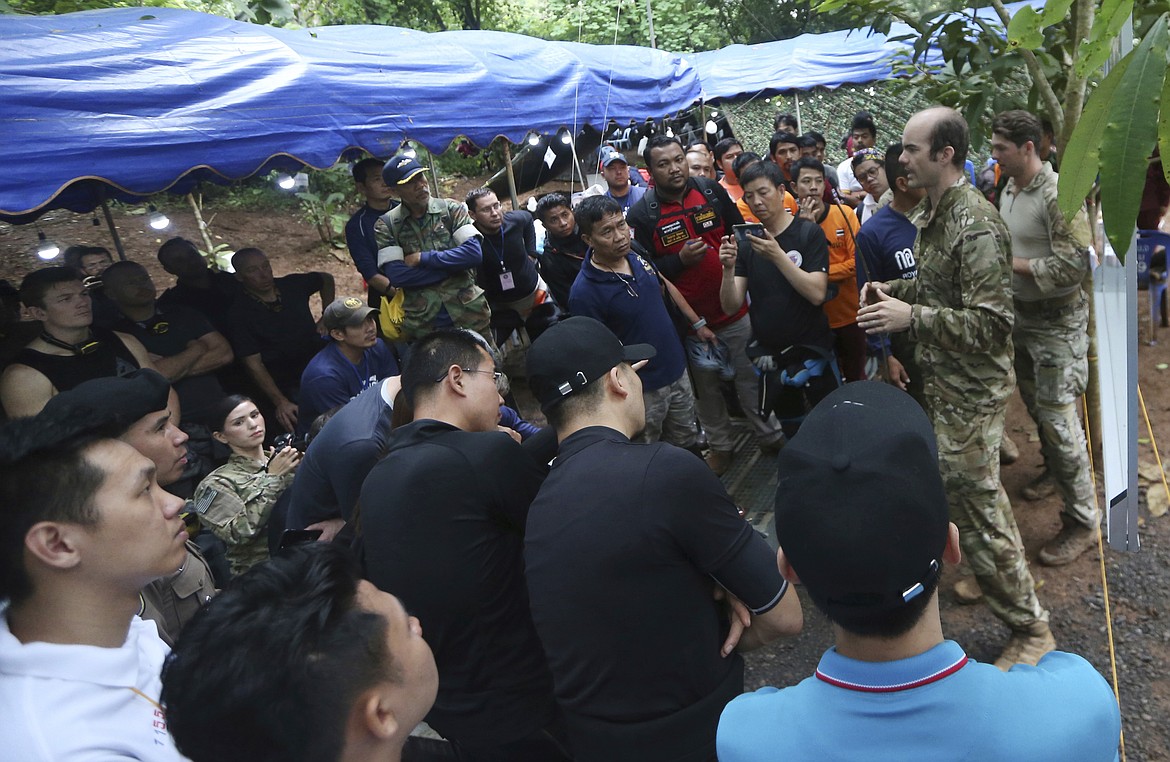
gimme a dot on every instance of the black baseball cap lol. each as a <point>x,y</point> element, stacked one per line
<point>120,401</point>
<point>574,353</point>
<point>401,169</point>
<point>861,512</point>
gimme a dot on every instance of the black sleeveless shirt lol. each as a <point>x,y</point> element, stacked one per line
<point>111,358</point>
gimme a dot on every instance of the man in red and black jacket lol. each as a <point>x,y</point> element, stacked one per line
<point>682,221</point>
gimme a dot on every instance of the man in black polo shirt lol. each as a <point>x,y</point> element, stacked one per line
<point>185,348</point>
<point>564,251</point>
<point>274,332</point>
<point>507,273</point>
<point>623,575</point>
<point>210,292</point>
<point>442,527</point>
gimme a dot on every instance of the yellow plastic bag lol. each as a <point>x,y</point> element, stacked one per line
<point>391,314</point>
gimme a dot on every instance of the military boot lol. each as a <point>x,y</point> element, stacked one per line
<point>1026,646</point>
<point>1039,488</point>
<point>1073,540</point>
<point>1008,452</point>
<point>718,460</point>
<point>967,591</point>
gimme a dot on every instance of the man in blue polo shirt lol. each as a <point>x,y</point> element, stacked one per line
<point>885,252</point>
<point>348,365</point>
<point>618,286</point>
<point>862,520</point>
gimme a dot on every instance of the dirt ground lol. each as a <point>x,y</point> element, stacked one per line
<point>1138,594</point>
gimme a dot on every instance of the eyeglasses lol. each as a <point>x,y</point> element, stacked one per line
<point>869,174</point>
<point>498,377</point>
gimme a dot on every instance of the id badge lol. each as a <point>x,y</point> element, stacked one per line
<point>506,281</point>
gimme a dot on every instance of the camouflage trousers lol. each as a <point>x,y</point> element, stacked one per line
<point>968,458</point>
<point>464,302</point>
<point>670,414</point>
<point>1052,370</point>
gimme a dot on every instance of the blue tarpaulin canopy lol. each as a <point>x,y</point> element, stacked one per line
<point>128,102</point>
<point>831,59</point>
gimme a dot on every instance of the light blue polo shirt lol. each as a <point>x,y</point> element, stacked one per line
<point>939,705</point>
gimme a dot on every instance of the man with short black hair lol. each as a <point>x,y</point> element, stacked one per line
<point>959,312</point>
<point>784,150</point>
<point>430,248</point>
<point>786,274</point>
<point>621,577</point>
<point>705,167</point>
<point>682,222</point>
<point>725,154</point>
<point>619,287</point>
<point>886,244</point>
<point>862,521</point>
<point>564,251</point>
<point>442,525</point>
<point>863,131</point>
<point>507,273</point>
<point>69,351</point>
<point>786,123</point>
<point>133,409</point>
<point>300,660</point>
<point>274,332</point>
<point>359,230</point>
<point>85,526</point>
<point>353,360</point>
<point>839,224</point>
<point>616,171</point>
<point>184,346</point>
<point>209,292</point>
<point>1050,260</point>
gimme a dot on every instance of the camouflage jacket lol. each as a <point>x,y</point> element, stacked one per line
<point>962,313</point>
<point>1057,251</point>
<point>244,494</point>
<point>445,278</point>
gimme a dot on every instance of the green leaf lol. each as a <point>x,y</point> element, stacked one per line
<point>1024,29</point>
<point>1108,22</point>
<point>1130,135</point>
<point>1164,128</point>
<point>1077,176</point>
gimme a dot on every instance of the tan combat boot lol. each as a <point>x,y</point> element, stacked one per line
<point>1008,452</point>
<point>1073,540</point>
<point>718,460</point>
<point>1039,488</point>
<point>967,591</point>
<point>1027,646</point>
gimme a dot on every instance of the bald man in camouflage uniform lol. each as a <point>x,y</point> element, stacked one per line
<point>1050,259</point>
<point>959,314</point>
<point>430,248</point>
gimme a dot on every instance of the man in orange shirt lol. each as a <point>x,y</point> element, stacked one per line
<point>840,225</point>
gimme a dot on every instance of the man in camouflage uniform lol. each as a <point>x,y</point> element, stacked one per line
<point>430,248</point>
<point>959,315</point>
<point>1050,260</point>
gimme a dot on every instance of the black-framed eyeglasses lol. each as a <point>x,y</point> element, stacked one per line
<point>498,377</point>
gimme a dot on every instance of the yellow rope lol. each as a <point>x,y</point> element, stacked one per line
<point>1153,442</point>
<point>1104,579</point>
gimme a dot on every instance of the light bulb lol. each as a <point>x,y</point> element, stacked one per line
<point>285,182</point>
<point>158,220</point>
<point>534,139</point>
<point>46,249</point>
<point>410,153</point>
<point>566,138</point>
<point>711,127</point>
